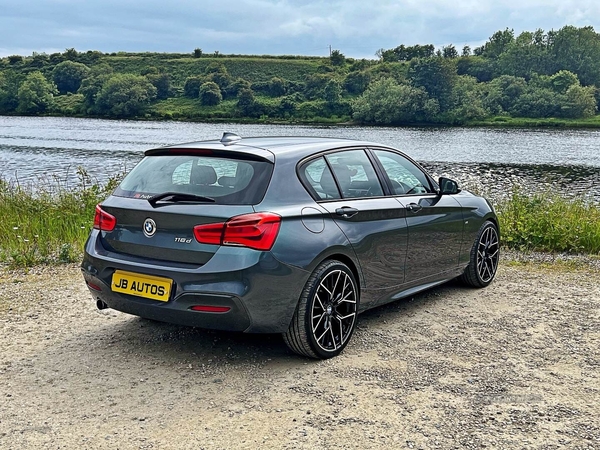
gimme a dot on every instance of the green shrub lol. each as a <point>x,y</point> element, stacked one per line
<point>49,223</point>
<point>210,94</point>
<point>549,223</point>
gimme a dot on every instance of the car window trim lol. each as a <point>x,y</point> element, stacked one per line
<point>366,151</point>
<point>322,154</point>
<point>432,184</point>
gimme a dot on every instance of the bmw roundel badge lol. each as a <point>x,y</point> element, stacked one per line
<point>149,227</point>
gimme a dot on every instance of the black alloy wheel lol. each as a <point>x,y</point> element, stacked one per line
<point>485,255</point>
<point>326,313</point>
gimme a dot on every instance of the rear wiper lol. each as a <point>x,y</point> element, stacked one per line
<point>178,197</point>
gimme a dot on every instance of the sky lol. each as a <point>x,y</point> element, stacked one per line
<point>357,28</point>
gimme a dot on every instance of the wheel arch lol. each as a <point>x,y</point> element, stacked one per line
<point>494,219</point>
<point>348,262</point>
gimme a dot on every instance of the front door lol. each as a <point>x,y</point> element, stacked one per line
<point>435,223</point>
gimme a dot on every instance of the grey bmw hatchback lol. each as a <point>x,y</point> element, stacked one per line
<point>291,235</point>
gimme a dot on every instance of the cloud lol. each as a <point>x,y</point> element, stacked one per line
<point>357,28</point>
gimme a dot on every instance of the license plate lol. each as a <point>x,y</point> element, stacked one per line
<point>146,286</point>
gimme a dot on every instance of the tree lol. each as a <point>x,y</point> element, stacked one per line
<point>386,102</point>
<point>357,82</point>
<point>503,93</point>
<point>483,69</point>
<point>403,53</point>
<point>210,94</point>
<point>162,83</point>
<point>125,95</point>
<point>315,85</point>
<point>217,73</point>
<point>337,58</point>
<point>9,88</point>
<point>466,101</point>
<point>38,60</point>
<point>36,94</point>
<point>526,56</point>
<point>191,88</point>
<point>287,106</point>
<point>221,79</point>
<point>562,80</point>
<point>276,87</point>
<point>498,43</point>
<point>449,51</point>
<point>579,102</point>
<point>333,92</point>
<point>70,54</point>
<point>436,76</point>
<point>537,102</point>
<point>246,104</point>
<point>14,59</point>
<point>68,76</point>
<point>197,53</point>
<point>578,50</point>
<point>235,87</point>
<point>92,85</point>
<point>466,51</point>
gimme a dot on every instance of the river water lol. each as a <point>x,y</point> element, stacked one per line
<point>35,150</point>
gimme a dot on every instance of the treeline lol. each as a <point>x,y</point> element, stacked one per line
<point>534,75</point>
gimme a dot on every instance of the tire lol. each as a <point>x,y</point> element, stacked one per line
<point>484,257</point>
<point>326,314</point>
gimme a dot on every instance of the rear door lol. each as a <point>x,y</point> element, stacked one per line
<point>375,225</point>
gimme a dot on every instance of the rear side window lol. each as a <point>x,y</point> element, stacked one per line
<point>228,181</point>
<point>355,174</point>
<point>318,179</point>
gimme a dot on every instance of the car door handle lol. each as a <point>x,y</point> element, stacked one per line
<point>414,208</point>
<point>346,212</point>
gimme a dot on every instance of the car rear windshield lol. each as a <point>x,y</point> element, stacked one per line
<point>227,181</point>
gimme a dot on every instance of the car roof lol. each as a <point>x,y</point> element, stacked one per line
<point>270,147</point>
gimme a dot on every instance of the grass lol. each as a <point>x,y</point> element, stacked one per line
<point>524,122</point>
<point>550,223</point>
<point>252,69</point>
<point>47,225</point>
<point>191,109</point>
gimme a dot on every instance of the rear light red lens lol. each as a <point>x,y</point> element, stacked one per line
<point>209,308</point>
<point>257,231</point>
<point>104,221</point>
<point>211,233</point>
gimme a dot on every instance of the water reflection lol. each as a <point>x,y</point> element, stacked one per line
<point>497,180</point>
<point>490,161</point>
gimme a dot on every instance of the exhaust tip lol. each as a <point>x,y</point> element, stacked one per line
<point>101,305</point>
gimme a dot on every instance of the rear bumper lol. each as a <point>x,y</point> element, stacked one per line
<point>261,292</point>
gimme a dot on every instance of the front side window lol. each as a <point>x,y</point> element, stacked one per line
<point>228,181</point>
<point>405,177</point>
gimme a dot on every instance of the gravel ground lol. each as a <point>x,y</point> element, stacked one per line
<point>515,365</point>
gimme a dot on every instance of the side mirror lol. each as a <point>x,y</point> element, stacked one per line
<point>448,186</point>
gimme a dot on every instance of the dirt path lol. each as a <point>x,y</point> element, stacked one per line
<point>516,365</point>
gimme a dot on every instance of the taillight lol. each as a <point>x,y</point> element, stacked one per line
<point>209,234</point>
<point>104,221</point>
<point>257,231</point>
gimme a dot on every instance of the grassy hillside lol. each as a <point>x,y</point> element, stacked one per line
<point>254,70</point>
<point>493,85</point>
